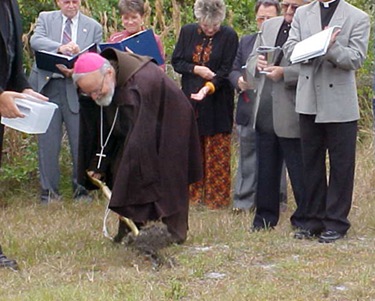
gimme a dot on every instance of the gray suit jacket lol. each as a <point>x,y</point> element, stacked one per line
<point>47,36</point>
<point>326,85</point>
<point>284,117</point>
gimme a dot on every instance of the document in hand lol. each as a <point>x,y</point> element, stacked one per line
<point>314,46</point>
<point>48,60</point>
<point>142,43</point>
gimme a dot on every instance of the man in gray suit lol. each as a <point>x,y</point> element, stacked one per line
<point>246,179</point>
<point>328,108</point>
<point>50,34</point>
<point>276,122</point>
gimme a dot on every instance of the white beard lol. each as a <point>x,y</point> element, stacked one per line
<point>106,100</point>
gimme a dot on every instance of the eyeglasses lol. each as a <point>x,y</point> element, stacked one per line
<point>286,5</point>
<point>262,18</point>
<point>98,93</point>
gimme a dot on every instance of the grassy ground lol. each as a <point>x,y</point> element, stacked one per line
<point>63,256</point>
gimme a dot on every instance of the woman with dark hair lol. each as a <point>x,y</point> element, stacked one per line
<point>204,55</point>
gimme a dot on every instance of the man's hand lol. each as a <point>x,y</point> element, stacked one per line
<point>275,73</point>
<point>34,94</point>
<point>204,72</point>
<point>69,49</point>
<point>243,85</point>
<point>261,62</point>
<point>8,107</point>
<point>94,174</point>
<point>334,37</point>
<point>65,70</point>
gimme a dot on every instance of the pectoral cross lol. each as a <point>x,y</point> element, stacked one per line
<point>101,156</point>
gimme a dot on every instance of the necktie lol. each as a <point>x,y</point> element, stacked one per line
<point>67,35</point>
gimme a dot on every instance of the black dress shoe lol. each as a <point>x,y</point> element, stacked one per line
<point>82,195</point>
<point>305,234</point>
<point>49,196</point>
<point>8,263</point>
<point>330,236</point>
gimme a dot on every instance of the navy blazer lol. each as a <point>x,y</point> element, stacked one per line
<point>245,103</point>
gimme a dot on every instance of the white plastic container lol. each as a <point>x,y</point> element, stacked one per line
<point>38,115</point>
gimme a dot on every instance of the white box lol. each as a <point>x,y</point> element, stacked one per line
<point>38,115</point>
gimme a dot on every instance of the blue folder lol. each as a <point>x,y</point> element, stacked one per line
<point>142,43</point>
<point>48,60</point>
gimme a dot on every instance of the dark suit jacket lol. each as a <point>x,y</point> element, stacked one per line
<point>17,81</point>
<point>245,103</point>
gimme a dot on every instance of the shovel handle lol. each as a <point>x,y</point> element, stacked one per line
<point>108,193</point>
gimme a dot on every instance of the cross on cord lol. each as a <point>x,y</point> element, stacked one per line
<point>101,156</point>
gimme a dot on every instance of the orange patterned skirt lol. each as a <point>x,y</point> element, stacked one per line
<point>214,189</point>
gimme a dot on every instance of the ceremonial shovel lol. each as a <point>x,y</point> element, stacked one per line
<point>149,239</point>
<point>108,193</point>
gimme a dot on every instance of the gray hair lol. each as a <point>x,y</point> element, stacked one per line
<point>102,69</point>
<point>210,11</point>
<point>267,3</point>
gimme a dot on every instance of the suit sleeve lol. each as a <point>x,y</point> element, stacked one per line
<point>294,36</point>
<point>291,74</point>
<point>352,55</point>
<point>39,40</point>
<point>98,34</point>
<point>237,71</point>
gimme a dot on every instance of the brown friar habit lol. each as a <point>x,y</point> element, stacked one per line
<point>153,152</point>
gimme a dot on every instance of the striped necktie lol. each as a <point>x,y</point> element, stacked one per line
<point>67,35</point>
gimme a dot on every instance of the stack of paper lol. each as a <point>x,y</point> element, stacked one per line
<point>314,46</point>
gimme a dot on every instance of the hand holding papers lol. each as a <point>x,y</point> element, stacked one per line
<point>314,46</point>
<point>48,60</point>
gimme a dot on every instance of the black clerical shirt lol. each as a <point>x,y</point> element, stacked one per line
<point>281,38</point>
<point>326,13</point>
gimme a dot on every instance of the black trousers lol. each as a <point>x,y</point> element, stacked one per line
<point>272,151</point>
<point>328,202</point>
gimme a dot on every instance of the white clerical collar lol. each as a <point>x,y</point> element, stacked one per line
<point>327,4</point>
